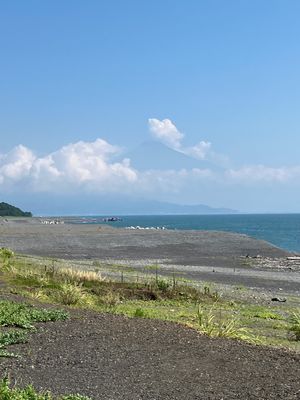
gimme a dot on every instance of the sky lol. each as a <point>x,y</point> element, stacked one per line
<point>82,83</point>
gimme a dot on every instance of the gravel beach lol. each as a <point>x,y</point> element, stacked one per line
<point>220,257</point>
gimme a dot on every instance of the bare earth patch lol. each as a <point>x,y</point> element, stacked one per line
<point>112,357</point>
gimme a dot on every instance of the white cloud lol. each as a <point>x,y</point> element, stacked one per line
<point>16,164</point>
<point>262,173</point>
<point>167,132</point>
<point>85,167</point>
<point>75,165</point>
<point>172,181</point>
<point>200,150</point>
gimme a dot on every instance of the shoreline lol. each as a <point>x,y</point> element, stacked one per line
<point>281,232</point>
<point>223,258</point>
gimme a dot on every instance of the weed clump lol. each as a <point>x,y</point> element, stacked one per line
<point>69,294</point>
<point>295,325</point>
<point>139,313</point>
<point>219,326</point>
<point>23,316</point>
<point>29,393</point>
<point>162,285</point>
<point>11,337</point>
<point>6,256</point>
<point>109,300</point>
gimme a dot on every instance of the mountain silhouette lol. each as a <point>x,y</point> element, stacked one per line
<point>155,155</point>
<point>92,204</point>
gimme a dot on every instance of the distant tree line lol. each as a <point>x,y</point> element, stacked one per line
<point>7,210</point>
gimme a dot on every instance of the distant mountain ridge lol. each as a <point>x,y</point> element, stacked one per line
<point>7,210</point>
<point>169,208</point>
<point>153,155</point>
<point>113,205</point>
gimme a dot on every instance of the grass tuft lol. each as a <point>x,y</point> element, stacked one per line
<point>6,257</point>
<point>295,325</point>
<point>69,294</point>
<point>210,325</point>
<point>139,312</point>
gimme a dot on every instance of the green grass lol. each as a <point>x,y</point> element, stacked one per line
<point>22,316</point>
<point>11,337</point>
<point>5,256</point>
<point>139,312</point>
<point>295,326</point>
<point>217,324</point>
<point>29,393</point>
<point>158,297</point>
<point>262,312</point>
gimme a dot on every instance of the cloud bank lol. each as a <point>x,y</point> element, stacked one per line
<point>90,167</point>
<point>81,164</point>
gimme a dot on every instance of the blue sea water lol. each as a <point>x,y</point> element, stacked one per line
<point>282,230</point>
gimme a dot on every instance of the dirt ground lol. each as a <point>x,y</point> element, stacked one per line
<point>116,358</point>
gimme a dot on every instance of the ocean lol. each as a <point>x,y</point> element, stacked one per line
<point>282,230</point>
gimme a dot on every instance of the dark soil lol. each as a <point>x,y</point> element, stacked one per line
<point>112,357</point>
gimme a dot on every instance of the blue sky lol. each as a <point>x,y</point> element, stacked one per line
<point>222,72</point>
